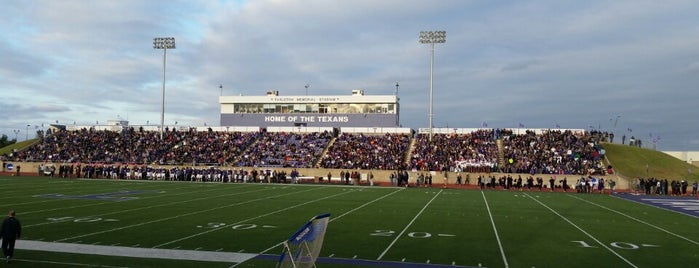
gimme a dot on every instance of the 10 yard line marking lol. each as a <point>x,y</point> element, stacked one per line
<point>408,226</point>
<point>502,251</point>
<point>638,220</point>
<point>581,230</point>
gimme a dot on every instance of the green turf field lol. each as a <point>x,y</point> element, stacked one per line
<point>369,226</point>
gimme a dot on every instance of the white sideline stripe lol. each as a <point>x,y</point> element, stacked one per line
<point>191,255</point>
<point>68,263</point>
<point>343,214</point>
<point>408,226</point>
<point>178,216</point>
<point>581,230</point>
<point>502,251</point>
<point>249,219</point>
<point>639,220</point>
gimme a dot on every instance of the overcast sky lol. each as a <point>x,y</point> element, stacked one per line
<point>576,64</point>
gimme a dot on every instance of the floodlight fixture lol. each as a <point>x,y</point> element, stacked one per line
<point>163,43</point>
<point>432,37</point>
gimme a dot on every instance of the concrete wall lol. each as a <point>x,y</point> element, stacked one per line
<point>380,176</point>
<point>690,157</point>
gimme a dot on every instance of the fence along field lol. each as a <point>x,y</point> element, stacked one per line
<point>369,226</point>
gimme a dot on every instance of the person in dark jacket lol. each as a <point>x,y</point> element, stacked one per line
<point>11,231</point>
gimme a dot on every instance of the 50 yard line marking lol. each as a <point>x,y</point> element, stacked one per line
<point>581,230</point>
<point>408,226</point>
<point>502,251</point>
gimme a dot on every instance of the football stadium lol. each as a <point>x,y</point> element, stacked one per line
<point>344,193</point>
<point>127,156</point>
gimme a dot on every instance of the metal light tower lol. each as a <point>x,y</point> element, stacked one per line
<point>432,37</point>
<point>397,106</point>
<point>27,133</point>
<point>163,43</point>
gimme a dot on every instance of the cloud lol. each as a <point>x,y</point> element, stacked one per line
<point>574,63</point>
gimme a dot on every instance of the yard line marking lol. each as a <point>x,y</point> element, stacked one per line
<point>253,218</point>
<point>495,229</point>
<point>366,204</point>
<point>638,220</point>
<point>142,198</point>
<point>48,200</point>
<point>102,203</point>
<point>408,226</point>
<point>583,231</point>
<point>148,207</point>
<point>179,216</point>
<point>343,214</point>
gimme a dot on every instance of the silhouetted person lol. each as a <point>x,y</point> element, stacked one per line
<point>11,231</point>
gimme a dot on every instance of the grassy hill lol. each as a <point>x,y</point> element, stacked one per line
<point>631,162</point>
<point>19,145</point>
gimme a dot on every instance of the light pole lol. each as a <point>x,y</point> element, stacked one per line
<point>27,133</point>
<point>397,112</point>
<point>307,86</point>
<point>432,37</point>
<point>16,131</point>
<point>163,43</point>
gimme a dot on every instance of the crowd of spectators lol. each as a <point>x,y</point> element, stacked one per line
<point>285,150</point>
<point>473,152</point>
<point>658,186</point>
<point>552,152</point>
<point>210,147</point>
<point>361,151</point>
<point>89,145</point>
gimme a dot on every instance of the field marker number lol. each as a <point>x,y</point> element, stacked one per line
<point>620,245</point>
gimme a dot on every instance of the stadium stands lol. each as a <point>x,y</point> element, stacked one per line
<point>482,150</point>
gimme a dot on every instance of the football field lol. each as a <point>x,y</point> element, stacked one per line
<point>110,223</point>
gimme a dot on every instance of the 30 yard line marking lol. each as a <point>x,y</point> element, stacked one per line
<point>495,229</point>
<point>638,220</point>
<point>408,226</point>
<point>581,230</point>
<point>253,218</point>
<point>179,216</point>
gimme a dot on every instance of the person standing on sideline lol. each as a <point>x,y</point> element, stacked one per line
<point>11,231</point>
